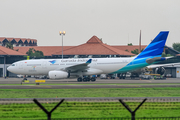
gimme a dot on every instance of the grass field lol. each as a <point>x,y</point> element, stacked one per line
<point>88,110</point>
<point>95,92</point>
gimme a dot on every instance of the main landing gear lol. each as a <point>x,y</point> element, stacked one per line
<point>122,75</point>
<point>85,79</point>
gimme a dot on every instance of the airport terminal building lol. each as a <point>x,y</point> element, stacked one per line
<point>93,48</point>
<point>18,41</point>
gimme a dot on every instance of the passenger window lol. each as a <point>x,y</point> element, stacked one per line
<point>13,64</point>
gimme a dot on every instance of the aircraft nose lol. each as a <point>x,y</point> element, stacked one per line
<point>9,68</point>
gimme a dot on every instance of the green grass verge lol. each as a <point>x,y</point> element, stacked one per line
<point>93,92</point>
<point>88,110</point>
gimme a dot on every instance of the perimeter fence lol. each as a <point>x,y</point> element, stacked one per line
<point>153,108</point>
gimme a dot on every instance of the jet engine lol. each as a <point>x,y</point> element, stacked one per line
<point>57,74</point>
<point>160,70</point>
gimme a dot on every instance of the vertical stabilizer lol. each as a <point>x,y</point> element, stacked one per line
<point>155,48</point>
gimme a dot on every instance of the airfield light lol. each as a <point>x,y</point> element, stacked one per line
<point>64,32</point>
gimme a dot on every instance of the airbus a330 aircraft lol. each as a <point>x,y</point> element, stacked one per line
<point>65,68</point>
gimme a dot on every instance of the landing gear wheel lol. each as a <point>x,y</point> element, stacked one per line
<point>93,79</point>
<point>79,79</point>
<point>88,79</point>
<point>84,79</point>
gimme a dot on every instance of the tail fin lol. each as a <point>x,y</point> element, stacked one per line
<point>155,48</point>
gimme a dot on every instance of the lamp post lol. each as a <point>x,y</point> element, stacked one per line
<point>62,33</point>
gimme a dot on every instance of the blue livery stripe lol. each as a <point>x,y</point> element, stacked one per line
<point>156,46</point>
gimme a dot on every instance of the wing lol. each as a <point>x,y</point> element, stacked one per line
<point>163,65</point>
<point>156,59</point>
<point>78,67</point>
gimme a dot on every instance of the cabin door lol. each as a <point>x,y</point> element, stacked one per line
<point>21,65</point>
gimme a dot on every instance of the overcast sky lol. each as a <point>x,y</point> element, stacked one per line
<point>117,22</point>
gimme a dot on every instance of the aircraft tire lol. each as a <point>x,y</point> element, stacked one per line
<point>84,79</point>
<point>93,79</point>
<point>79,79</point>
<point>88,79</point>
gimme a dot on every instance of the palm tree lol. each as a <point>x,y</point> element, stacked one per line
<point>9,45</point>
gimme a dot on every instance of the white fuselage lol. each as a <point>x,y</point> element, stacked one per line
<point>43,66</point>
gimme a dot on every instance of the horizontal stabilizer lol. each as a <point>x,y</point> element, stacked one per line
<point>152,60</point>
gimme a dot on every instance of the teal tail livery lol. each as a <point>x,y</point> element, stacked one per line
<point>84,68</point>
<point>151,54</point>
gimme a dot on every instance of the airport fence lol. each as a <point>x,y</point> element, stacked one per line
<point>90,108</point>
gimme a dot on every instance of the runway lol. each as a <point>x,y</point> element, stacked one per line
<point>15,83</point>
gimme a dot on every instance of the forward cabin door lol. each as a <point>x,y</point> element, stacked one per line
<point>21,65</point>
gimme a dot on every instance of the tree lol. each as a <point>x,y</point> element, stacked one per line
<point>9,45</point>
<point>34,53</point>
<point>130,44</point>
<point>165,55</point>
<point>176,46</point>
<point>136,51</point>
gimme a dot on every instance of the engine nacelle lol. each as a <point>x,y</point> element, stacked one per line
<point>160,70</point>
<point>57,74</point>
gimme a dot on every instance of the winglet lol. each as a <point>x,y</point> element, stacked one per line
<point>89,61</point>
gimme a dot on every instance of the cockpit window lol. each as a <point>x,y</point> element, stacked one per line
<point>13,64</point>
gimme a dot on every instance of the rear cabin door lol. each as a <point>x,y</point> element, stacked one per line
<point>178,72</point>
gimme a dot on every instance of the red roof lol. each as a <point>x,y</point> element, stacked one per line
<point>47,50</point>
<point>7,51</point>
<point>94,46</point>
<point>94,40</point>
<point>129,48</point>
<point>2,38</point>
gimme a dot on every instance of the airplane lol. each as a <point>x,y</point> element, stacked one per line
<point>83,67</point>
